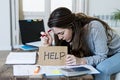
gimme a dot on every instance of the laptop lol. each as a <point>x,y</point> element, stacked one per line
<point>30,31</point>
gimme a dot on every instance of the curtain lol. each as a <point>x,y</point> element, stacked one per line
<point>21,15</point>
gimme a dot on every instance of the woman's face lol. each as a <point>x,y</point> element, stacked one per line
<point>63,34</point>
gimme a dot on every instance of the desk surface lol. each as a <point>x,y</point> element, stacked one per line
<point>6,73</point>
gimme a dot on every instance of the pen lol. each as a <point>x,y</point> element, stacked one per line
<point>49,30</point>
<point>42,33</point>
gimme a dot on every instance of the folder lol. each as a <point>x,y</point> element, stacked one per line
<point>28,47</point>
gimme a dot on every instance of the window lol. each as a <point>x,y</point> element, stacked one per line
<point>61,3</point>
<point>39,5</point>
<point>39,9</point>
<point>33,5</point>
<point>36,9</point>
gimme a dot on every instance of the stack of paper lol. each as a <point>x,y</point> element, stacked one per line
<point>21,58</point>
<point>28,70</point>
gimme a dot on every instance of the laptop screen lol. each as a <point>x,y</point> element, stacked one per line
<point>30,30</point>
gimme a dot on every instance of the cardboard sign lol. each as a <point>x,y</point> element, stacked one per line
<point>52,55</point>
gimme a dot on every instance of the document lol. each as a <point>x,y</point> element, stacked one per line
<point>28,70</point>
<point>75,71</point>
<point>36,43</point>
<point>21,58</point>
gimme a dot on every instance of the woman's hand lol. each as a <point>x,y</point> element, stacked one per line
<point>72,60</point>
<point>46,39</point>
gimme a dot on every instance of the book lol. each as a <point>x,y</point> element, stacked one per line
<point>28,47</point>
<point>75,71</point>
<point>21,58</point>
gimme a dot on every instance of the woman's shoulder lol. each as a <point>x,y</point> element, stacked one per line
<point>96,25</point>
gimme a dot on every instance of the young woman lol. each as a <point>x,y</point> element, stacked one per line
<point>90,41</point>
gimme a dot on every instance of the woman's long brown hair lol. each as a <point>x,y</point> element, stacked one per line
<point>64,18</point>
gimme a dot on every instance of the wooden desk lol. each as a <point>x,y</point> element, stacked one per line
<point>6,73</point>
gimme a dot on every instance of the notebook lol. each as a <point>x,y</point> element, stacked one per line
<point>21,58</point>
<point>75,71</point>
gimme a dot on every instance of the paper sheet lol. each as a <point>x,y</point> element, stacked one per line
<point>27,70</point>
<point>21,58</point>
<point>36,43</point>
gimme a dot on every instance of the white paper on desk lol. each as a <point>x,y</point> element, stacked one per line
<point>21,58</point>
<point>36,43</point>
<point>27,70</point>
